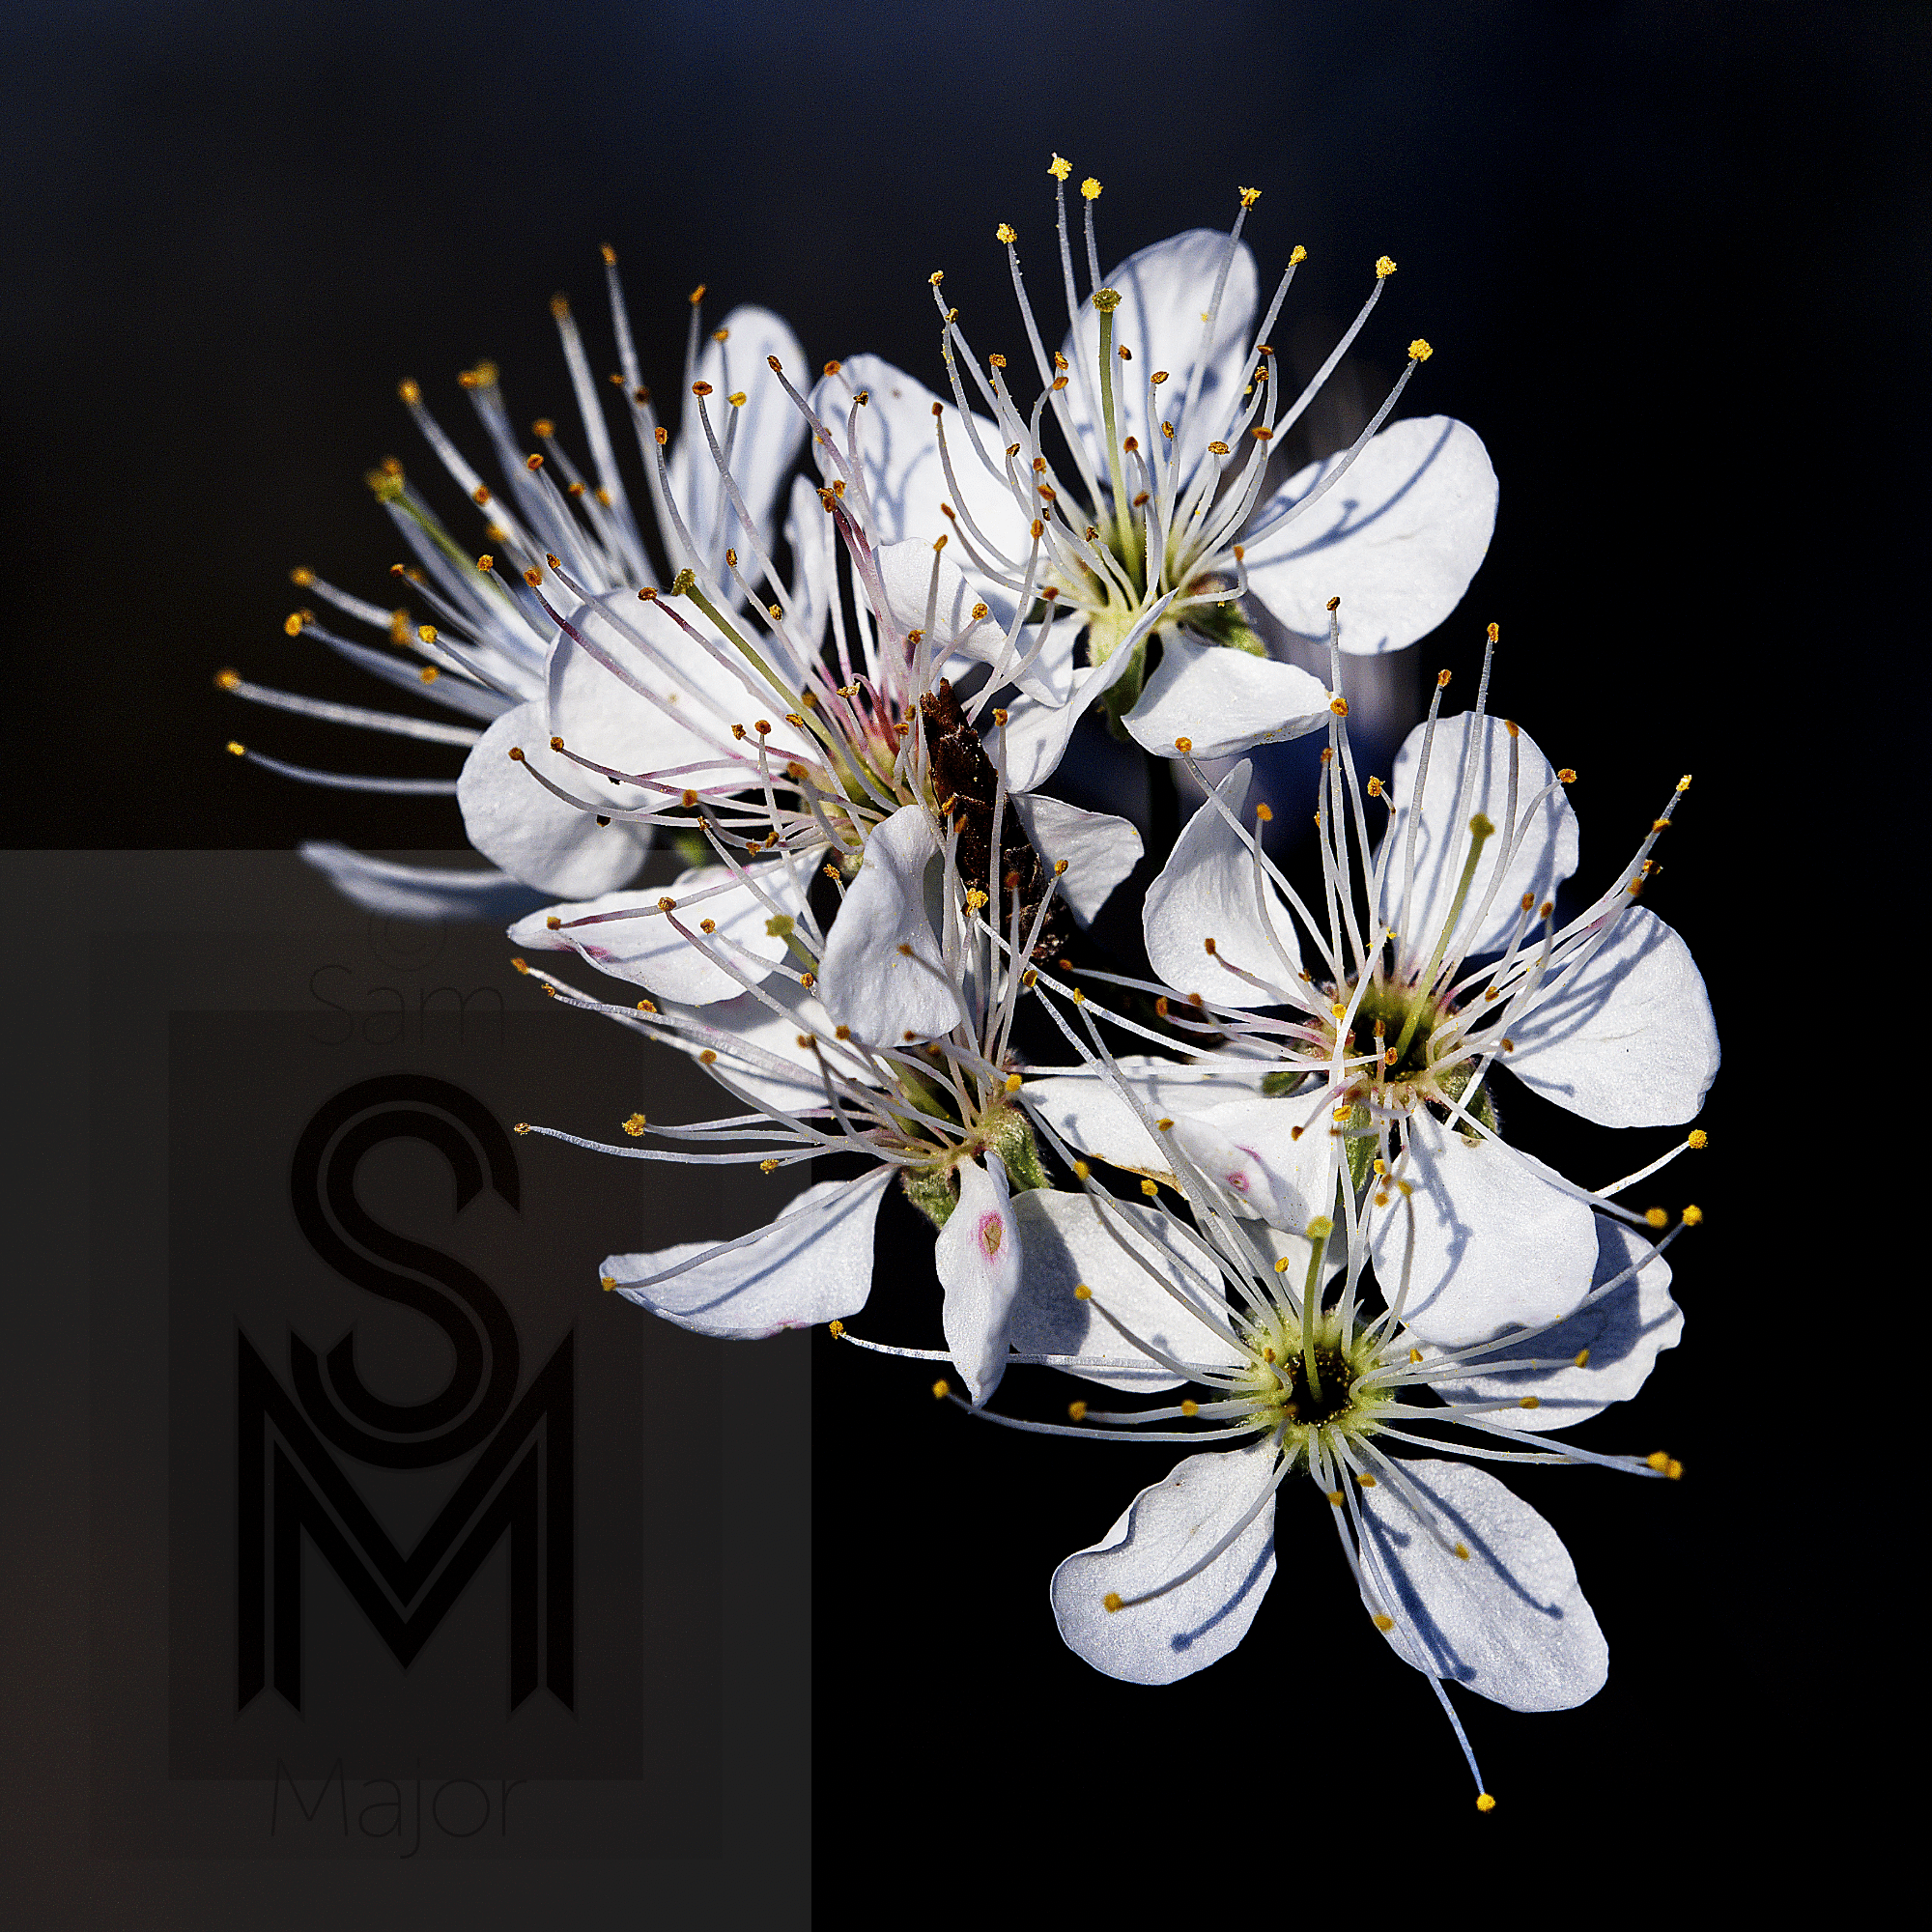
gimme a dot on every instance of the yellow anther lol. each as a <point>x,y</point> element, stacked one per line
<point>941,1389</point>
<point>1673,1471</point>
<point>1190,1406</point>
<point>1183,746</point>
<point>1683,783</point>
<point>1082,1293</point>
<point>1693,1215</point>
<point>1164,1123</point>
<point>1419,351</point>
<point>647,1006</point>
<point>610,1282</point>
<point>1150,1188</point>
<point>1384,268</point>
<point>1660,1462</point>
<point>1484,1802</point>
<point>1007,232</point>
<point>1567,775</point>
<point>227,680</point>
<point>937,276</point>
<point>1383,1622</point>
<point>1077,1411</point>
<point>1112,1601</point>
<point>1081,1170</point>
<point>1697,1137</point>
<point>521,965</point>
<point>552,922</point>
<point>1462,1552</point>
<point>292,624</point>
<point>1297,255</point>
<point>1415,1354</point>
<point>1014,1082</point>
<point>486,563</point>
<point>1336,1497</point>
<point>1218,447</point>
<point>1281,1265</point>
<point>1657,1217</point>
<point>1581,1359</point>
<point>1339,706</point>
<point>1531,1402</point>
<point>635,1125</point>
<point>1249,196</point>
<point>1365,1480</point>
<point>707,1058</point>
<point>239,750</point>
<point>1091,189</point>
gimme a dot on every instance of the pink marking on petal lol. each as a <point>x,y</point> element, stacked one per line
<point>992,1232</point>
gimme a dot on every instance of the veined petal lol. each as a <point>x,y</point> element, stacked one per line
<point>1030,744</point>
<point>1165,291</point>
<point>1545,858</point>
<point>533,835</point>
<point>1397,539</point>
<point>632,938</point>
<point>1630,1043</point>
<point>419,892</point>
<point>1085,1109</point>
<point>765,440</point>
<point>883,972</point>
<point>694,699</point>
<point>1479,1240</point>
<point>978,1257</point>
<point>1100,850</point>
<point>1148,1286</point>
<point>1223,701</point>
<point>898,450</point>
<point>814,574</point>
<point>814,1264</point>
<point>1606,1349</point>
<point>1169,1527</point>
<point>1509,1620</point>
<point>1207,890</point>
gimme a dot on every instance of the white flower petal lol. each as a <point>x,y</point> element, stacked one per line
<point>883,972</point>
<point>905,481</point>
<point>1147,1285</point>
<point>814,1264</point>
<point>1207,890</point>
<point>1510,1621</point>
<point>1168,1527</point>
<point>1165,291</point>
<point>1631,1041</point>
<point>1397,539</point>
<point>1545,857</point>
<point>1100,850</point>
<point>1620,1336</point>
<point>1085,1109</point>
<point>1481,1239</point>
<point>978,1259</point>
<point>765,437</point>
<point>633,940</point>
<point>1223,701</point>
<point>419,891</point>
<point>531,833</point>
<point>814,572</point>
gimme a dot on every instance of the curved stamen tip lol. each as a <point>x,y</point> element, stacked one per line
<point>838,1328</point>
<point>1484,1802</point>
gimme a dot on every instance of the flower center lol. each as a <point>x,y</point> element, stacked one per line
<point>1304,1390</point>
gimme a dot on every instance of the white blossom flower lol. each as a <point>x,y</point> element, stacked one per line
<point>1167,400</point>
<point>1437,957</point>
<point>1295,1373</point>
<point>799,1049</point>
<point>490,655</point>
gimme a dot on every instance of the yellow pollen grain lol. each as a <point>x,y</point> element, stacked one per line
<point>1365,1480</point>
<point>1693,1215</point>
<point>1384,268</point>
<point>1151,1188</point>
<point>1462,1552</point>
<point>1077,1411</point>
<point>1112,1601</point>
<point>635,1125</point>
<point>1014,1082</point>
<point>1531,1402</point>
<point>1082,1293</point>
<point>1081,1170</point>
<point>1336,1497</point>
<point>1190,1408</point>
<point>1697,1137</point>
<point>1657,1217</point>
<point>1419,351</point>
<point>610,1282</point>
<point>1383,1622</point>
<point>1249,196</point>
<point>941,1389</point>
<point>1484,1802</point>
<point>1059,169</point>
<point>1091,189</point>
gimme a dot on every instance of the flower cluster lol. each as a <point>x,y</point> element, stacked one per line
<point>1262,1188</point>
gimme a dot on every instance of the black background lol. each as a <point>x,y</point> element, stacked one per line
<point>1671,260</point>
